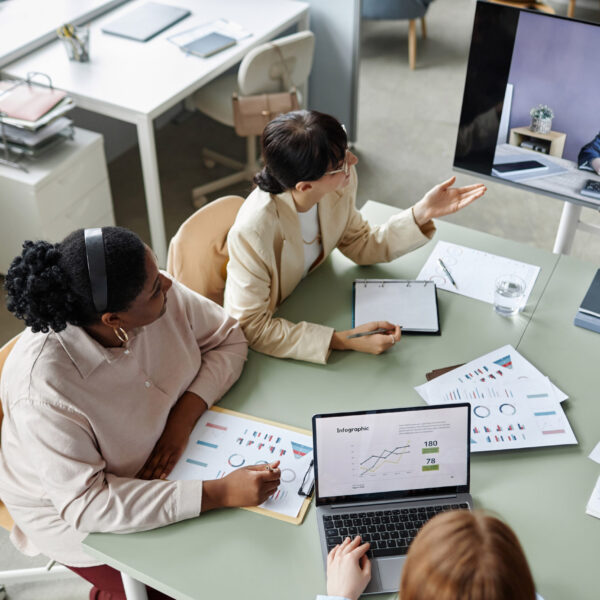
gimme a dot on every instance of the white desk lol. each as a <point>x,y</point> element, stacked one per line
<point>25,25</point>
<point>136,82</point>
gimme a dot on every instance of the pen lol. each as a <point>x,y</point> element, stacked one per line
<point>447,273</point>
<point>355,335</point>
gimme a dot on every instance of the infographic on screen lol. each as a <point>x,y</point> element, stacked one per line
<point>392,451</point>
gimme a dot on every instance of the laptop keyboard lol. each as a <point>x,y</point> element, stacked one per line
<point>390,532</point>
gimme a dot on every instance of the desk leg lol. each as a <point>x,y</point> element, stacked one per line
<point>145,131</point>
<point>566,228</point>
<point>134,590</point>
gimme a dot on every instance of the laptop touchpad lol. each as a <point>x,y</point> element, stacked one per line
<point>389,573</point>
<point>374,586</point>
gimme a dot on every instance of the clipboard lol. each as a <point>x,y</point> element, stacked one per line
<point>412,304</point>
<point>297,520</point>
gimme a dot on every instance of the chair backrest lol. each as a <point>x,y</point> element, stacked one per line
<point>198,252</point>
<point>262,72</point>
<point>5,519</point>
<point>394,9</point>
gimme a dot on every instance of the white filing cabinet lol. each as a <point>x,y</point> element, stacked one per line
<point>62,191</point>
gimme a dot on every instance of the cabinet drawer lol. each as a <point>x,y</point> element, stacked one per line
<point>62,191</point>
<point>87,211</point>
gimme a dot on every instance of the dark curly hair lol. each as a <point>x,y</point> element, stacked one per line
<point>299,146</point>
<point>48,285</point>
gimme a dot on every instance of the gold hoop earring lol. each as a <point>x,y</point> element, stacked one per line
<point>121,334</point>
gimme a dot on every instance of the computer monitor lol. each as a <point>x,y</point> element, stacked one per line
<point>520,61</point>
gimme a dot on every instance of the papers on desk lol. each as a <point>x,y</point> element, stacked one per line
<point>593,505</point>
<point>410,304</point>
<point>475,272</point>
<point>202,34</point>
<point>224,440</point>
<point>595,453</point>
<point>513,405</point>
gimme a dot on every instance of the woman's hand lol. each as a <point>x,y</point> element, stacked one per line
<point>370,344</point>
<point>443,200</point>
<point>348,569</point>
<point>171,444</point>
<point>248,486</point>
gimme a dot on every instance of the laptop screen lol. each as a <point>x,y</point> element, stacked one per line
<point>392,453</point>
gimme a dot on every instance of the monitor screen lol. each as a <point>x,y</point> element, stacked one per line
<point>391,453</point>
<point>530,115</point>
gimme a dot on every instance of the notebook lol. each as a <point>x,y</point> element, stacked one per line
<point>28,102</point>
<point>209,44</point>
<point>591,302</point>
<point>146,21</point>
<point>410,304</point>
<point>382,474</point>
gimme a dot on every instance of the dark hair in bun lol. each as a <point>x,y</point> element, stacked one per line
<point>299,146</point>
<point>48,285</point>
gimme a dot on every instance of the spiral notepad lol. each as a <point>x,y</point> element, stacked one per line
<point>410,304</point>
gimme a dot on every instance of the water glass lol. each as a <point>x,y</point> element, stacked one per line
<point>509,294</point>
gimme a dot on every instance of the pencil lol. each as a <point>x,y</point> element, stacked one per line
<point>355,335</point>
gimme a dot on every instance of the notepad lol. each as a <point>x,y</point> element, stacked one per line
<point>410,304</point>
<point>209,44</point>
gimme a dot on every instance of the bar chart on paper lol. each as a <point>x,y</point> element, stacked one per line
<point>223,441</point>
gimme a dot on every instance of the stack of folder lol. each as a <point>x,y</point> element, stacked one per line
<point>32,118</point>
<point>588,315</point>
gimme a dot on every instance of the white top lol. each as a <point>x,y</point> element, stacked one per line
<point>311,237</point>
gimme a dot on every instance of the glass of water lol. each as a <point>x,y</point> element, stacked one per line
<point>509,293</point>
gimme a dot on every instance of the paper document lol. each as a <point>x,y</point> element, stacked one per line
<point>475,272</point>
<point>223,441</point>
<point>410,304</point>
<point>593,505</point>
<point>513,404</point>
<point>595,453</point>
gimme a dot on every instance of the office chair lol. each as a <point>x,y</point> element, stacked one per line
<point>260,72</point>
<point>198,251</point>
<point>22,575</point>
<point>410,10</point>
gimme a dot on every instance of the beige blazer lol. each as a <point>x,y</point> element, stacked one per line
<point>266,262</point>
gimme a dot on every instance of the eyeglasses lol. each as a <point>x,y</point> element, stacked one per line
<point>345,168</point>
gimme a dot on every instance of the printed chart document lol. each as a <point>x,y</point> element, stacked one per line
<point>410,304</point>
<point>224,440</point>
<point>513,405</point>
<point>475,272</point>
<point>593,505</point>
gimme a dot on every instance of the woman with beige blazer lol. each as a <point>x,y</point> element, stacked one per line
<point>303,208</point>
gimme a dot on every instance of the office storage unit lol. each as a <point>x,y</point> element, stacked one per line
<point>61,192</point>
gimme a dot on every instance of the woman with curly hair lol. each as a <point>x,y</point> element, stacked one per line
<point>457,555</point>
<point>101,393</point>
<point>304,206</point>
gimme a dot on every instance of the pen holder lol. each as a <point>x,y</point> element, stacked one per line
<point>76,41</point>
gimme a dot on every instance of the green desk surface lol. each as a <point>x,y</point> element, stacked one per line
<point>542,493</point>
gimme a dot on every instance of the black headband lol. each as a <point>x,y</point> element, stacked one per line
<point>96,262</point>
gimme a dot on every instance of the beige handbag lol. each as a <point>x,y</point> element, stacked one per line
<point>252,113</point>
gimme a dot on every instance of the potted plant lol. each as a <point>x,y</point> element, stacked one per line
<point>541,118</point>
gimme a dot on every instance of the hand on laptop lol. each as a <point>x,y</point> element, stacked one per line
<point>248,486</point>
<point>348,569</point>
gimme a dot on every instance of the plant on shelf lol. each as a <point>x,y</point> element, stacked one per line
<point>541,118</point>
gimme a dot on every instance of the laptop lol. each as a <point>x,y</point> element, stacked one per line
<point>146,21</point>
<point>382,474</point>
